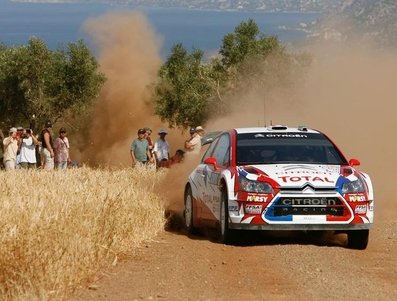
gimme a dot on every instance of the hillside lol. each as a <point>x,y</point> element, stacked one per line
<point>260,5</point>
<point>373,20</point>
<point>370,20</point>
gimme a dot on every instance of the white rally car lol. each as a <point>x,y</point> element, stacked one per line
<point>279,178</point>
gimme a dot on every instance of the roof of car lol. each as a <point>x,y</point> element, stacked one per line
<point>276,128</point>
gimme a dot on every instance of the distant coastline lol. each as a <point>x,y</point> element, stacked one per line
<point>61,23</point>
<point>191,6</point>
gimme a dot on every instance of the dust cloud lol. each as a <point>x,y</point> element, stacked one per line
<point>350,94</point>
<point>129,57</point>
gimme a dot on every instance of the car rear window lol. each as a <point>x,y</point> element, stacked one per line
<point>287,147</point>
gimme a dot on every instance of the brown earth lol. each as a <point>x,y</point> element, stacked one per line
<point>275,266</point>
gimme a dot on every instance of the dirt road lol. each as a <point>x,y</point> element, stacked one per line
<point>280,266</point>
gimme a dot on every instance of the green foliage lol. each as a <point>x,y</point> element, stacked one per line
<point>190,91</point>
<point>184,88</point>
<point>246,41</point>
<point>37,84</point>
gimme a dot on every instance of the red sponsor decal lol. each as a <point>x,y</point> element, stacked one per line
<point>287,179</point>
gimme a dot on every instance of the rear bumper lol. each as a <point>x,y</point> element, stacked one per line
<point>344,227</point>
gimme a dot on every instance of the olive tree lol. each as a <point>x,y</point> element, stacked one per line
<point>190,90</point>
<point>183,88</point>
<point>38,84</point>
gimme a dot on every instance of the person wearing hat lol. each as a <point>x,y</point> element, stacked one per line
<point>193,145</point>
<point>140,153</point>
<point>61,149</point>
<point>10,149</point>
<point>161,149</point>
<point>47,151</point>
<point>200,130</point>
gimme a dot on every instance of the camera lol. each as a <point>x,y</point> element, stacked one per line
<point>28,131</point>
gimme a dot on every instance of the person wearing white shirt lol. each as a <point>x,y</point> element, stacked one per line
<point>28,150</point>
<point>161,149</point>
<point>193,145</point>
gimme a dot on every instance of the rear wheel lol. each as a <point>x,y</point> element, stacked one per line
<point>188,212</point>
<point>225,234</point>
<point>357,239</point>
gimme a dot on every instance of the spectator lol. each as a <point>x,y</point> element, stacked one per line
<point>21,132</point>
<point>193,145</point>
<point>10,149</point>
<point>47,151</point>
<point>177,158</point>
<point>140,149</point>
<point>150,141</point>
<point>61,148</point>
<point>200,131</point>
<point>28,150</point>
<point>161,149</point>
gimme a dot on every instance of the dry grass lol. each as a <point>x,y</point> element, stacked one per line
<point>58,229</point>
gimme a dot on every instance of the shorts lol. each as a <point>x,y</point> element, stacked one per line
<point>47,161</point>
<point>10,164</point>
<point>27,165</point>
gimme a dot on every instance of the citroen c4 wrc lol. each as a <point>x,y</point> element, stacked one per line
<point>278,178</point>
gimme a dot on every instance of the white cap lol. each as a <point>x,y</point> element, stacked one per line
<point>162,131</point>
<point>199,128</point>
<point>13,130</point>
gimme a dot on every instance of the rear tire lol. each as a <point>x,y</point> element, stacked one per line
<point>226,235</point>
<point>357,239</point>
<point>188,212</point>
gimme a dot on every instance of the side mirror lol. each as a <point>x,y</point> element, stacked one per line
<point>211,161</point>
<point>354,162</point>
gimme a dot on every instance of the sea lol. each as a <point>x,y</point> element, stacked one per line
<point>60,23</point>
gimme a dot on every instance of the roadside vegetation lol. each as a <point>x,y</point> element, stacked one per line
<point>191,90</point>
<point>39,84</point>
<point>57,230</point>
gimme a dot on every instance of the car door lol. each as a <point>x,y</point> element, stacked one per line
<point>213,193</point>
<point>200,185</point>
